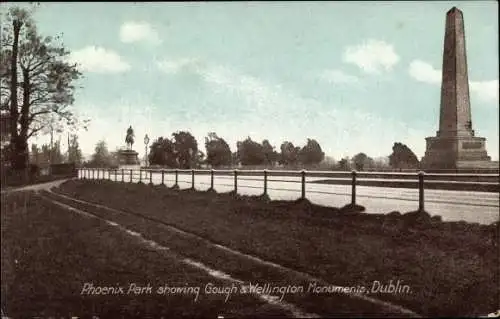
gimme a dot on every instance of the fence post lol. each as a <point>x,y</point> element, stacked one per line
<point>211,179</point>
<point>421,191</point>
<point>303,173</point>
<point>150,178</point>
<point>265,182</point>
<point>235,181</point>
<point>109,174</point>
<point>162,177</point>
<point>192,179</point>
<point>116,175</point>
<point>353,190</point>
<point>131,176</point>
<point>123,175</point>
<point>176,177</point>
<point>140,175</point>
<point>93,174</point>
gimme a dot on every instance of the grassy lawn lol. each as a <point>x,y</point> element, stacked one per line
<point>451,267</point>
<point>50,253</point>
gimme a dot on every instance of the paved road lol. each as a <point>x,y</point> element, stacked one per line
<point>480,207</point>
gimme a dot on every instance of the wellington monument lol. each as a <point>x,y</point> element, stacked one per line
<point>455,146</point>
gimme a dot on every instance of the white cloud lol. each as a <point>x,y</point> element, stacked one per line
<point>486,91</point>
<point>133,31</point>
<point>372,56</point>
<point>172,66</point>
<point>97,59</point>
<point>338,77</point>
<point>424,72</point>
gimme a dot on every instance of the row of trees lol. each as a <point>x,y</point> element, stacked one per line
<point>182,151</point>
<point>52,153</point>
<point>37,84</point>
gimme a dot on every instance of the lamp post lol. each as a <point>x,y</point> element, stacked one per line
<point>146,142</point>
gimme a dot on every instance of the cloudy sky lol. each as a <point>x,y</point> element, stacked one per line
<point>356,76</point>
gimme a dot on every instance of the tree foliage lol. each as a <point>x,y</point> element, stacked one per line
<point>74,151</point>
<point>37,83</point>
<point>402,157</point>
<point>270,154</point>
<point>102,157</point>
<point>162,153</point>
<point>181,151</point>
<point>250,152</point>
<point>311,153</point>
<point>361,161</point>
<point>344,164</point>
<point>218,151</point>
<point>46,155</point>
<point>289,153</point>
<point>186,149</point>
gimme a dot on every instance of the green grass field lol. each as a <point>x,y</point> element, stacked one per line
<point>49,254</point>
<point>450,268</point>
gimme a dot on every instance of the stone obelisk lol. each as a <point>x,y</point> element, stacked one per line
<point>455,146</point>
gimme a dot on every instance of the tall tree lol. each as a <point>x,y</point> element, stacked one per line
<point>40,82</point>
<point>162,153</point>
<point>57,154</point>
<point>218,151</point>
<point>186,149</point>
<point>402,157</point>
<point>289,153</point>
<point>250,152</point>
<point>270,154</point>
<point>35,154</point>
<point>74,151</point>
<point>361,161</point>
<point>101,157</point>
<point>311,153</point>
<point>344,164</point>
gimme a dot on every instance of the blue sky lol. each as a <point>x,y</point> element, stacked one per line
<point>356,76</point>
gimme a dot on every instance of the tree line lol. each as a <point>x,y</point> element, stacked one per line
<point>181,150</point>
<point>53,153</point>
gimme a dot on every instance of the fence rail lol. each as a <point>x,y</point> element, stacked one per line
<point>422,181</point>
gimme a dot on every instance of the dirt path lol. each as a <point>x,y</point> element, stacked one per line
<point>35,187</point>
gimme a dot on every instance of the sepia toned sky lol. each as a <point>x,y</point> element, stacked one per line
<point>356,76</point>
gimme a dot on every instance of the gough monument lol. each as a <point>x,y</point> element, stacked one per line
<point>455,146</point>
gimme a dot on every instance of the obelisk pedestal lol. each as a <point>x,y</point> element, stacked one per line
<point>455,146</point>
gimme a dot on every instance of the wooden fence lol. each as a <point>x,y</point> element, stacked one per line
<point>420,180</point>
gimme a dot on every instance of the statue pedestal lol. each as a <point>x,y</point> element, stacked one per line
<point>128,157</point>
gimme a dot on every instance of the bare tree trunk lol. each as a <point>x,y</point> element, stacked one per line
<point>14,113</point>
<point>68,149</point>
<point>51,159</point>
